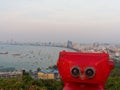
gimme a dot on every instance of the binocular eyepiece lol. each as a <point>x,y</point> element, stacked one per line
<point>75,71</point>
<point>89,72</point>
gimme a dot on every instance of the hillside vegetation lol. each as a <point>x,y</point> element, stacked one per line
<point>27,83</point>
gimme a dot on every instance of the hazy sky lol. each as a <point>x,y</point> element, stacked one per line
<point>60,20</point>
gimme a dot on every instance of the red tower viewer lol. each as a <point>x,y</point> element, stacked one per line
<point>84,71</point>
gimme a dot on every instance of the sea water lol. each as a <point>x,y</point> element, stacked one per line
<point>29,57</point>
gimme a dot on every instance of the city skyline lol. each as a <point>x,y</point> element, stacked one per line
<point>60,20</point>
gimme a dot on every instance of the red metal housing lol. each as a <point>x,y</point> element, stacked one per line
<point>84,71</point>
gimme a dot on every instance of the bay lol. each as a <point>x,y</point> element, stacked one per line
<point>29,57</point>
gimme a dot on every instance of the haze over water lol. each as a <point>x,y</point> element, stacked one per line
<point>60,20</point>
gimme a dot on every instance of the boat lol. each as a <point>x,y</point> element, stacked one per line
<point>3,52</point>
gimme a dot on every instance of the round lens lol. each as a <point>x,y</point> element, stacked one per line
<point>90,72</point>
<point>75,71</point>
